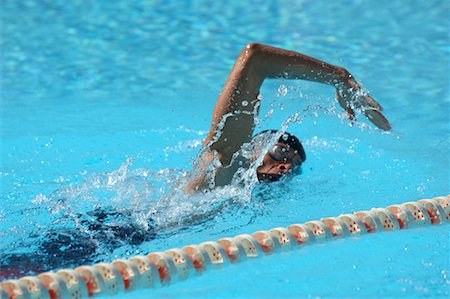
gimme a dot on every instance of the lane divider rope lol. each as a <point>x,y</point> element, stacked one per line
<point>163,268</point>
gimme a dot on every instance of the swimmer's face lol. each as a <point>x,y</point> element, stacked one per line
<point>279,161</point>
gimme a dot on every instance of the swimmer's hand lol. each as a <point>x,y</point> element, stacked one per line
<point>351,96</point>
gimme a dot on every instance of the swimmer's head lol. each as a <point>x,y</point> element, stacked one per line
<point>285,157</point>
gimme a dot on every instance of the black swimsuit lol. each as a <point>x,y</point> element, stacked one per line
<point>101,230</point>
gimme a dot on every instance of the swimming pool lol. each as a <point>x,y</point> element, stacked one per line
<point>88,87</point>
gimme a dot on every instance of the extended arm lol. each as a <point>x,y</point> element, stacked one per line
<point>234,113</point>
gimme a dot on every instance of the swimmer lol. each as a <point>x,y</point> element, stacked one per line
<point>232,126</point>
<point>233,119</point>
<point>99,231</point>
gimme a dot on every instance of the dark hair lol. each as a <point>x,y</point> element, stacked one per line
<point>290,140</point>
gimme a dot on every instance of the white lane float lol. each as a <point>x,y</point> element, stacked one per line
<point>148,273</point>
<point>215,253</point>
<point>74,283</point>
<point>183,264</point>
<point>445,204</point>
<point>35,287</point>
<point>250,245</point>
<point>285,239</point>
<point>163,268</point>
<point>129,273</point>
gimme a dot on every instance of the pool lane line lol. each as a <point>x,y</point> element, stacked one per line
<point>164,268</point>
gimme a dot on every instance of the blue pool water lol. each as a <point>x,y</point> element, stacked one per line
<point>105,105</point>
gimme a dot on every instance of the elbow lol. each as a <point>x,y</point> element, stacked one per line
<point>252,49</point>
<point>251,54</point>
<point>252,46</point>
<point>343,73</point>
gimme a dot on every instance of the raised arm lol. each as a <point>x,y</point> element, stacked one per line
<point>234,113</point>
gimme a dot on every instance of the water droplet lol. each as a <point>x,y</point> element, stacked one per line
<point>282,90</point>
<point>244,103</point>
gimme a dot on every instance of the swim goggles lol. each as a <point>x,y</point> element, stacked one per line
<point>284,155</point>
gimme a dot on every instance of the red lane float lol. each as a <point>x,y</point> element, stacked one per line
<point>234,250</point>
<point>163,268</point>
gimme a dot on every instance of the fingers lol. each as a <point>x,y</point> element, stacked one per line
<point>345,105</point>
<point>373,104</point>
<point>378,119</point>
<point>371,109</point>
<point>351,116</point>
<point>360,97</point>
<point>342,102</point>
